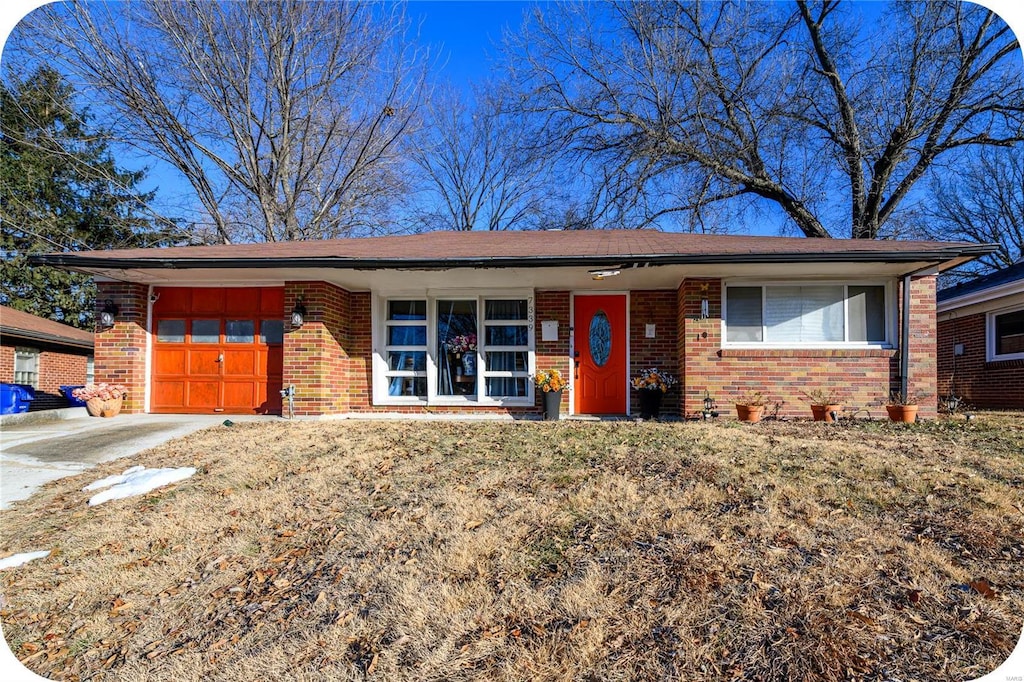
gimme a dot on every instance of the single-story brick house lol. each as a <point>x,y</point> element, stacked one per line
<point>210,329</point>
<point>981,340</point>
<point>43,354</point>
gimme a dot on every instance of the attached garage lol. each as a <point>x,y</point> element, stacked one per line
<point>217,350</point>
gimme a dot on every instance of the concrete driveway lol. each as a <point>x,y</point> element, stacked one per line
<point>36,448</point>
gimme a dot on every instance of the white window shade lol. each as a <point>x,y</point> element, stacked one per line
<point>804,314</point>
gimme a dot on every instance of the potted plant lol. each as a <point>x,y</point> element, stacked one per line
<point>902,407</point>
<point>750,407</point>
<point>463,347</point>
<point>824,404</point>
<point>551,383</point>
<point>102,400</point>
<point>652,383</point>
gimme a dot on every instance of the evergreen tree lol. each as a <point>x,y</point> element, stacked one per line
<point>60,190</point>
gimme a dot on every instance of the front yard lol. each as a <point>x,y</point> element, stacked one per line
<point>532,551</point>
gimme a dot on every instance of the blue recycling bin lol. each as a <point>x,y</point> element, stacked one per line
<point>15,398</point>
<point>68,392</point>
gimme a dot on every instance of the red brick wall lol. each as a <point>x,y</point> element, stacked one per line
<point>121,349</point>
<point>315,355</point>
<point>657,308</point>
<point>923,339</point>
<point>994,385</point>
<point>7,364</point>
<point>553,306</point>
<point>359,345</point>
<point>56,369</point>
<point>865,376</point>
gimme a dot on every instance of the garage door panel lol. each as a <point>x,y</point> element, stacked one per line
<point>273,360</point>
<point>170,361</point>
<point>168,394</point>
<point>241,394</point>
<point>271,301</point>
<point>204,362</point>
<point>244,300</point>
<point>241,362</point>
<point>203,395</point>
<point>207,301</point>
<point>171,301</point>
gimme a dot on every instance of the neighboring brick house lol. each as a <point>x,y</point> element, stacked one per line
<point>981,340</point>
<point>210,329</point>
<point>43,354</point>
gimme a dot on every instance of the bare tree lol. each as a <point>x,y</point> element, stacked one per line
<point>284,116</point>
<point>481,170</point>
<point>981,200</point>
<point>787,104</point>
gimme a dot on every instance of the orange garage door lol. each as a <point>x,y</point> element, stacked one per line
<point>217,350</point>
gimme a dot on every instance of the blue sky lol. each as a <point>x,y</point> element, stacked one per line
<point>464,36</point>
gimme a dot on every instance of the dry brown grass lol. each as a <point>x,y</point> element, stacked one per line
<point>457,551</point>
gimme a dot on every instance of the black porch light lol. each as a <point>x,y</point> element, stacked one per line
<point>108,314</point>
<point>298,314</point>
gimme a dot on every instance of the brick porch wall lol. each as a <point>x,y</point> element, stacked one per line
<point>548,306</point>
<point>315,354</point>
<point>121,349</point>
<point>865,376</point>
<point>657,308</point>
<point>993,385</point>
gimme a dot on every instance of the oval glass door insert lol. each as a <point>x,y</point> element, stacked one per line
<point>600,338</point>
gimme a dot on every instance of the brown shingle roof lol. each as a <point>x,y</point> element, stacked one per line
<point>523,248</point>
<point>28,326</point>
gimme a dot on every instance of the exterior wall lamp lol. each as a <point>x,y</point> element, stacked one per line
<point>598,275</point>
<point>298,314</point>
<point>108,314</point>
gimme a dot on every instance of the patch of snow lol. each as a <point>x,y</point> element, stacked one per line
<point>136,481</point>
<point>112,480</point>
<point>23,558</point>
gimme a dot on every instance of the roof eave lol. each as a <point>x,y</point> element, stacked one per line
<point>942,258</point>
<point>47,338</point>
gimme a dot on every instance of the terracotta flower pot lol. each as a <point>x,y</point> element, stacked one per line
<point>902,413</point>
<point>749,413</point>
<point>823,413</point>
<point>104,408</point>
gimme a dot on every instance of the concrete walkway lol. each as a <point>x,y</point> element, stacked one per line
<point>39,447</point>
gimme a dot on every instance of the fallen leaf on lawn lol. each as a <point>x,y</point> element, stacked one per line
<point>914,596</point>
<point>983,587</point>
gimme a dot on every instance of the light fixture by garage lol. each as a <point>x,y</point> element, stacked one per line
<point>108,314</point>
<point>298,314</point>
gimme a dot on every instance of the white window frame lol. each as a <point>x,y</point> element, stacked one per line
<point>889,313</point>
<point>381,374</point>
<point>32,355</point>
<point>990,335</point>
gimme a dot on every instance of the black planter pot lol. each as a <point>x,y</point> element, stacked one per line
<point>650,404</point>
<point>552,405</point>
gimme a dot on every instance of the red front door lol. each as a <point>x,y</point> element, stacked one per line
<point>217,350</point>
<point>599,376</point>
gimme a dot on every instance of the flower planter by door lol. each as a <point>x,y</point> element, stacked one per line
<point>98,407</point>
<point>749,413</point>
<point>823,413</point>
<point>650,404</point>
<point>552,405</point>
<point>902,413</point>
